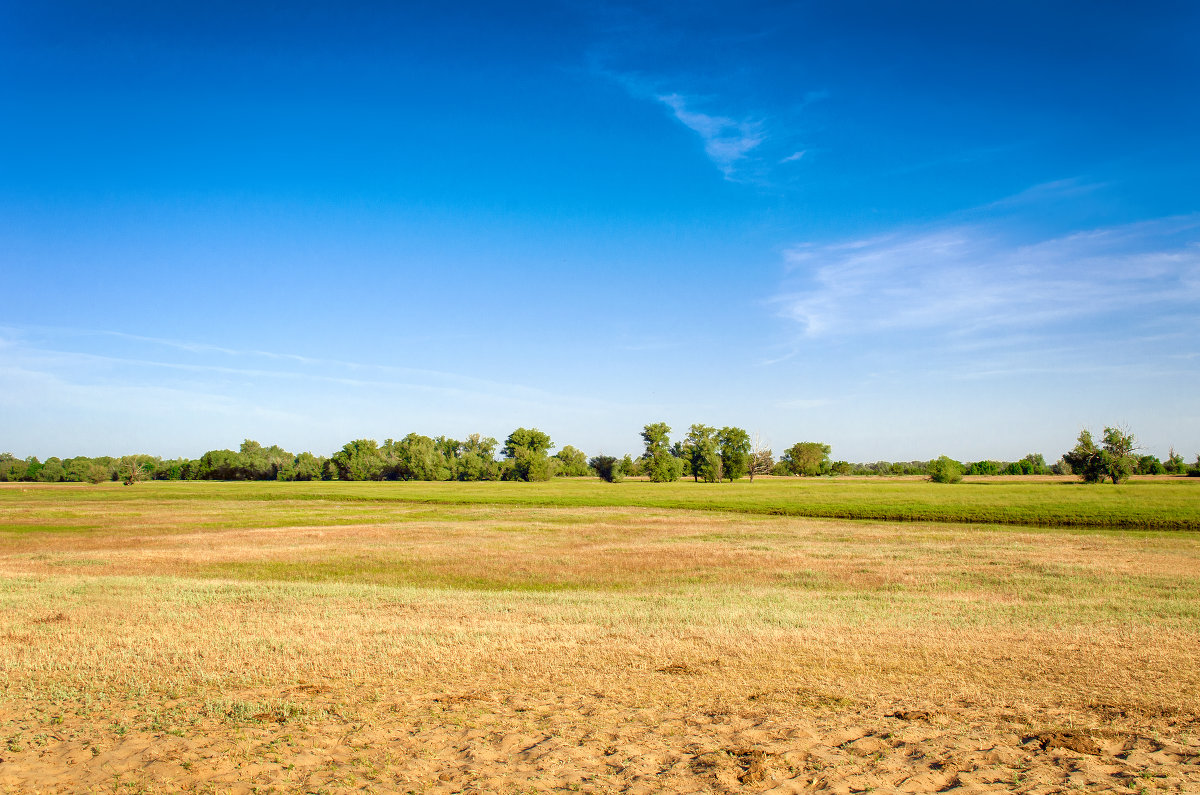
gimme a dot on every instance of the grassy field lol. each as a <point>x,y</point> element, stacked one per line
<point>577,636</point>
<point>1164,503</point>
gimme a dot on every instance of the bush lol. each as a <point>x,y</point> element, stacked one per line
<point>944,469</point>
<point>1061,467</point>
<point>607,467</point>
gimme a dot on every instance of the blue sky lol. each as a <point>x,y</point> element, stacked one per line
<point>904,229</point>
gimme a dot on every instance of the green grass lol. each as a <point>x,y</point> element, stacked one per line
<point>389,572</point>
<point>1162,504</point>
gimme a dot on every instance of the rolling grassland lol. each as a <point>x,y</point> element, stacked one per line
<point>579,636</point>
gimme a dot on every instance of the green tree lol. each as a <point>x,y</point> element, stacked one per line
<point>657,461</point>
<point>1113,459</point>
<point>526,439</point>
<point>131,469</point>
<point>359,460</point>
<point>944,469</point>
<point>734,447</point>
<point>252,462</point>
<point>572,463</point>
<point>1060,467</point>
<point>657,437</point>
<point>1032,464</point>
<point>451,451</point>
<point>477,459</point>
<point>52,471</point>
<point>630,467</point>
<point>12,469</point>
<point>525,452</point>
<point>83,469</point>
<point>607,467</point>
<point>417,457</point>
<point>1175,463</point>
<point>807,458</point>
<point>1150,465</point>
<point>306,466</point>
<point>256,462</point>
<point>219,465</point>
<point>700,452</point>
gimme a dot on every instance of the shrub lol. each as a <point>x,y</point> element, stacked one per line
<point>607,467</point>
<point>944,469</point>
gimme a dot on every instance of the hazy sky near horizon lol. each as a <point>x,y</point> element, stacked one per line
<point>904,229</point>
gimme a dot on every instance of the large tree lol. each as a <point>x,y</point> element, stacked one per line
<point>359,460</point>
<point>807,458</point>
<point>733,445</point>
<point>525,451</point>
<point>477,459</point>
<point>571,462</point>
<point>700,451</point>
<point>417,457</point>
<point>1112,459</point>
<point>306,467</point>
<point>657,461</point>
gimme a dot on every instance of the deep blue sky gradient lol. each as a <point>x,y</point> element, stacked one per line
<point>905,229</point>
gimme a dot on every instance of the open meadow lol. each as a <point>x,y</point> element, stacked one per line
<point>790,635</point>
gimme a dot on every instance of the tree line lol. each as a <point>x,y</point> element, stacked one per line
<point>706,453</point>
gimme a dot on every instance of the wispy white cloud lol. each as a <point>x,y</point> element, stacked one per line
<point>969,279</point>
<point>726,140</point>
<point>74,391</point>
<point>744,144</point>
<point>55,348</point>
<point>1055,190</point>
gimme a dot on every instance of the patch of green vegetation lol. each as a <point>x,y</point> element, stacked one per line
<point>8,528</point>
<point>1168,504</point>
<point>386,572</point>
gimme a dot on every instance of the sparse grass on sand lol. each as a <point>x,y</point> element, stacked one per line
<point>371,637</point>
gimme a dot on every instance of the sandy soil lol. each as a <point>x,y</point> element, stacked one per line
<point>518,742</point>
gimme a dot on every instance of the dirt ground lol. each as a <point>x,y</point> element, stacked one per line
<point>529,742</point>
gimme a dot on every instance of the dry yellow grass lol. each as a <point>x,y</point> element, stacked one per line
<point>331,647</point>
